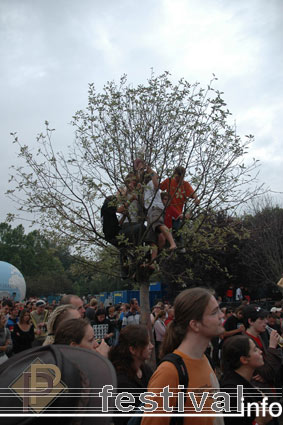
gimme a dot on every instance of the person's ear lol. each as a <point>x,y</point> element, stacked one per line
<point>132,350</point>
<point>73,344</point>
<point>194,325</point>
<point>244,360</point>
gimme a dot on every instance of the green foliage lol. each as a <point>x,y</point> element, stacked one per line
<point>38,259</point>
<point>212,255</point>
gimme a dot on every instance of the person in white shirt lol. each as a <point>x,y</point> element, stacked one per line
<point>239,294</point>
<point>155,210</point>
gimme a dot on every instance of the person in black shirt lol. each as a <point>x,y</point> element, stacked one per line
<point>23,333</point>
<point>128,358</point>
<point>240,358</point>
<point>102,326</point>
<point>234,324</point>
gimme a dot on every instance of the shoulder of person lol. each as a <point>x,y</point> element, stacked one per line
<point>165,182</point>
<point>165,374</point>
<point>7,333</point>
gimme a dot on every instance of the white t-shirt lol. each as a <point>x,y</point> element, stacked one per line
<point>152,197</point>
<point>239,295</point>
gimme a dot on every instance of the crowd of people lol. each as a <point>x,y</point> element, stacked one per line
<point>240,346</point>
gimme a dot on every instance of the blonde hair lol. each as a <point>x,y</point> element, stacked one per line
<point>93,302</point>
<point>56,317</point>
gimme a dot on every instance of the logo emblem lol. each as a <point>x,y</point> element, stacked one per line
<point>38,386</point>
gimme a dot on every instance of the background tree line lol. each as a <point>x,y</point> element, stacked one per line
<point>245,250</point>
<point>47,264</point>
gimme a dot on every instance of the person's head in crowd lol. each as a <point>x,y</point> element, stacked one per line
<point>165,198</point>
<point>76,301</point>
<point>166,307</point>
<point>197,316</point>
<point>28,305</point>
<point>24,317</point>
<point>276,311</point>
<point>111,311</point>
<point>118,309</point>
<point>156,309</point>
<point>134,305</point>
<point>100,315</point>
<point>77,333</point>
<point>32,305</point>
<point>255,319</point>
<point>271,319</point>
<point>228,312</point>
<point>161,315</point>
<point>40,306</point>
<point>240,354</point>
<point>133,349</point>
<point>6,306</point>
<point>239,312</point>
<point>179,174</point>
<point>61,313</point>
<point>14,312</point>
<point>125,307</point>
<point>131,181</point>
<point>93,303</point>
<point>245,302</point>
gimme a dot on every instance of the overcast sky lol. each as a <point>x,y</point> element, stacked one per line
<point>50,51</point>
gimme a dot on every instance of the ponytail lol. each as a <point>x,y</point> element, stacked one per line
<point>189,305</point>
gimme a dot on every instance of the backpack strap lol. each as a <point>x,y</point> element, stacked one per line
<point>178,362</point>
<point>46,312</point>
<point>33,320</point>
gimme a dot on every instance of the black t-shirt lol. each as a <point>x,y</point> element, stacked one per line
<point>22,339</point>
<point>232,323</point>
<point>228,384</point>
<point>132,385</point>
<point>110,223</point>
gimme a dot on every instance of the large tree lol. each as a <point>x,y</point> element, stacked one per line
<point>263,251</point>
<point>168,124</point>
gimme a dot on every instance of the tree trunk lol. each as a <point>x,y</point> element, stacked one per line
<point>145,317</point>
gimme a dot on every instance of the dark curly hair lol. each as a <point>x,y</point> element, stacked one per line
<point>135,336</point>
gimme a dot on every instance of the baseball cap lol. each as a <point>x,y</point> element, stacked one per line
<point>275,309</point>
<point>40,303</point>
<point>254,312</point>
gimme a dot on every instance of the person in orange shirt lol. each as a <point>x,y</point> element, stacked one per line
<point>197,320</point>
<point>179,189</point>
